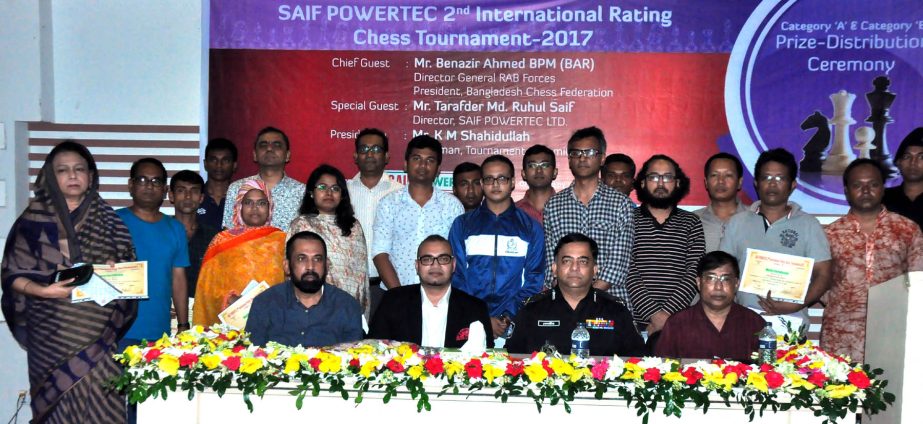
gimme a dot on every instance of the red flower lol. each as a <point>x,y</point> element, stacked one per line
<point>232,363</point>
<point>238,348</point>
<point>314,363</point>
<point>260,353</point>
<point>514,368</point>
<point>652,374</point>
<point>462,334</point>
<point>222,336</point>
<point>817,378</point>
<point>152,355</point>
<point>692,375</point>
<point>634,360</point>
<point>434,365</point>
<point>547,366</point>
<point>474,369</point>
<point>801,361</point>
<point>354,362</point>
<point>859,379</point>
<point>395,366</point>
<point>774,379</point>
<point>188,359</point>
<point>766,368</point>
<point>718,361</point>
<point>740,369</point>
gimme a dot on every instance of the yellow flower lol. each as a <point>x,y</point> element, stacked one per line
<point>198,329</point>
<point>560,367</point>
<point>293,363</point>
<point>133,353</point>
<point>168,363</point>
<point>491,372</point>
<point>186,337</point>
<point>250,365</point>
<point>536,372</point>
<point>836,391</point>
<point>273,354</point>
<point>415,372</point>
<point>211,361</point>
<point>580,373</point>
<point>758,381</point>
<point>720,379</point>
<point>673,377</point>
<point>163,342</point>
<point>799,382</point>
<point>329,363</point>
<point>453,367</point>
<point>361,350</point>
<point>816,365</point>
<point>231,335</point>
<point>632,371</point>
<point>368,367</point>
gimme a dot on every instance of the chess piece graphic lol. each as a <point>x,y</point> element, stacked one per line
<point>815,147</point>
<point>880,101</point>
<point>728,44</point>
<point>676,45</point>
<point>707,45</point>
<point>864,145</point>
<point>840,154</point>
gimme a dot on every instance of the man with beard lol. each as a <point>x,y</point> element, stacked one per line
<point>304,310</point>
<point>431,313</point>
<point>716,327</point>
<point>592,208</point>
<point>271,151</point>
<point>466,185</point>
<point>869,245</point>
<point>407,216</point>
<point>186,193</point>
<point>668,243</point>
<point>776,225</point>
<point>538,171</point>
<point>723,180</point>
<point>366,189</point>
<point>907,198</point>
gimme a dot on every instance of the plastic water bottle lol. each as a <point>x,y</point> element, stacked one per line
<point>580,341</point>
<point>767,345</point>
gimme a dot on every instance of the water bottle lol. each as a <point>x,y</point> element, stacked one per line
<point>580,341</point>
<point>767,345</point>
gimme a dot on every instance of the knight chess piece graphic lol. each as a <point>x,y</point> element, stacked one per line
<point>864,145</point>
<point>880,101</point>
<point>840,154</point>
<point>815,147</point>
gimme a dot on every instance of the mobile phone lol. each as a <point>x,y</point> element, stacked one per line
<point>80,273</point>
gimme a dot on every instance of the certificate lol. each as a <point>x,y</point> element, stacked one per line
<point>787,276</point>
<point>129,277</point>
<point>236,315</point>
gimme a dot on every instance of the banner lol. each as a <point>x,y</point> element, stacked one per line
<point>489,77</point>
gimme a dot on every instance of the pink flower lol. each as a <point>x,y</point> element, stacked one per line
<point>599,369</point>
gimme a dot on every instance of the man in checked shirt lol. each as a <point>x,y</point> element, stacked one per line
<point>591,208</point>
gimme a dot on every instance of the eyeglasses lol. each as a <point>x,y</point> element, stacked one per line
<point>363,149</point>
<point>502,180</point>
<point>582,153</point>
<point>332,188</point>
<point>774,179</point>
<point>714,279</point>
<point>144,180</point>
<point>538,165</point>
<point>250,203</point>
<point>429,259</point>
<point>666,178</point>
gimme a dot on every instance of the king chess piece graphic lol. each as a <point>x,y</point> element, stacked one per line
<point>815,147</point>
<point>840,154</point>
<point>880,101</point>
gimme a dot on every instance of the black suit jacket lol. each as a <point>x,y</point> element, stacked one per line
<point>400,317</point>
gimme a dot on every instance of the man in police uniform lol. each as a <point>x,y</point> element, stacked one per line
<point>552,316</point>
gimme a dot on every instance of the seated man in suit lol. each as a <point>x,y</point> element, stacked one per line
<point>716,326</point>
<point>431,313</point>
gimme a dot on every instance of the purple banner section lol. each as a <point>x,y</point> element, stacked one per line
<point>830,81</point>
<point>701,26</point>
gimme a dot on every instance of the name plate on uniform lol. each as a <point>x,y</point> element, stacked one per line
<point>549,323</point>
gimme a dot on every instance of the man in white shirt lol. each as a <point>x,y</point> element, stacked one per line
<point>366,189</point>
<point>431,313</point>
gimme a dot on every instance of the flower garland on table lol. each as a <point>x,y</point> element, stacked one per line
<point>219,358</point>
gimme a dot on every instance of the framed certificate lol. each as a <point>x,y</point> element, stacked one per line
<point>787,276</point>
<point>237,313</point>
<point>129,277</point>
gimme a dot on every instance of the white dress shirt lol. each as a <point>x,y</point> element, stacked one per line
<point>434,319</point>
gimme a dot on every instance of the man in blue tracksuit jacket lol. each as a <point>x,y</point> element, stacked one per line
<point>498,247</point>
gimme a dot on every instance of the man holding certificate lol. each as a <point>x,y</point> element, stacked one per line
<point>776,243</point>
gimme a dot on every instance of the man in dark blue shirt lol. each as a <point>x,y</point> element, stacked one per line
<point>304,310</point>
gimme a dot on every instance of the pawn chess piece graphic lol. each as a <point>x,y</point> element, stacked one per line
<point>840,154</point>
<point>864,145</point>
<point>880,101</point>
<point>815,147</point>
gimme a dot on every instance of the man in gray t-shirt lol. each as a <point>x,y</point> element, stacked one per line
<point>777,225</point>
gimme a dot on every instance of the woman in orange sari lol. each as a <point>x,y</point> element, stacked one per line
<point>251,250</point>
